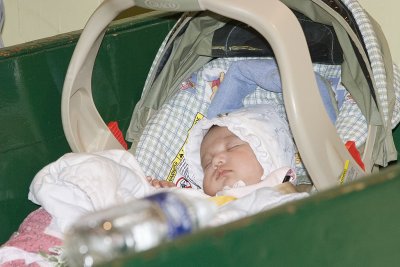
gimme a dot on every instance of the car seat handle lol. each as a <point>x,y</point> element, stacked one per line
<point>83,126</point>
<point>323,153</point>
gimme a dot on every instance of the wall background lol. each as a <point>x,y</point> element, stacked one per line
<point>387,14</point>
<point>27,20</point>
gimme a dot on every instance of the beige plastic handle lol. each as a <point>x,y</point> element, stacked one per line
<point>324,155</point>
<point>83,126</point>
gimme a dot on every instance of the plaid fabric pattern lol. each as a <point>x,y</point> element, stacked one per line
<point>396,109</point>
<point>377,64</point>
<point>351,124</point>
<point>166,132</point>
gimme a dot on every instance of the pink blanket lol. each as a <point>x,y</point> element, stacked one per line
<point>31,245</point>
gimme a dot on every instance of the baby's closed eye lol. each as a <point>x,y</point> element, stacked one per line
<point>234,145</point>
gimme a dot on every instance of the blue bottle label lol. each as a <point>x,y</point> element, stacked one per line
<point>176,213</point>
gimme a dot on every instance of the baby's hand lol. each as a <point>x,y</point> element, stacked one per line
<point>159,183</point>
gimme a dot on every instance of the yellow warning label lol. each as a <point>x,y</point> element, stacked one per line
<point>178,158</point>
<point>345,169</point>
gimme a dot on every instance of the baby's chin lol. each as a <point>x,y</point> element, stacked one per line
<point>234,184</point>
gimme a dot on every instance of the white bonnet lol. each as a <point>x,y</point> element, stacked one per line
<point>261,126</point>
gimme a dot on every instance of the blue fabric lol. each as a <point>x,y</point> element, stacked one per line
<point>243,77</point>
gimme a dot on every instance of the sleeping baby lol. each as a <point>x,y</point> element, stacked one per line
<point>239,152</point>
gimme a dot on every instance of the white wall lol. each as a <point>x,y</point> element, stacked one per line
<point>28,20</point>
<point>387,14</point>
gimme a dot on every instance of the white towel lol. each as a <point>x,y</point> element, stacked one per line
<point>79,183</point>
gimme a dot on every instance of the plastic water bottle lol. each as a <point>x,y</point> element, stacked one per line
<point>136,226</point>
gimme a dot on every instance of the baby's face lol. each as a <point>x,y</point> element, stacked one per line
<point>226,159</point>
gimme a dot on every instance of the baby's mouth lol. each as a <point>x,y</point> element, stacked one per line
<point>222,173</point>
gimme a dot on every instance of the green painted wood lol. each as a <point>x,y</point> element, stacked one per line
<point>396,138</point>
<point>354,225</point>
<point>32,77</point>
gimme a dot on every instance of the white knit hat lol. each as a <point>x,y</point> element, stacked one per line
<point>261,126</point>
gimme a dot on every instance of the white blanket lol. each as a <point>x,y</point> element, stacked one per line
<point>78,183</point>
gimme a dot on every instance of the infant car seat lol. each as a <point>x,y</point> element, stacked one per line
<point>367,72</point>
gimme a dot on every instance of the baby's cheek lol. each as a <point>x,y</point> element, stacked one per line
<point>210,186</point>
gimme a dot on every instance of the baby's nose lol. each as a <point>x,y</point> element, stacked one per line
<point>219,160</point>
